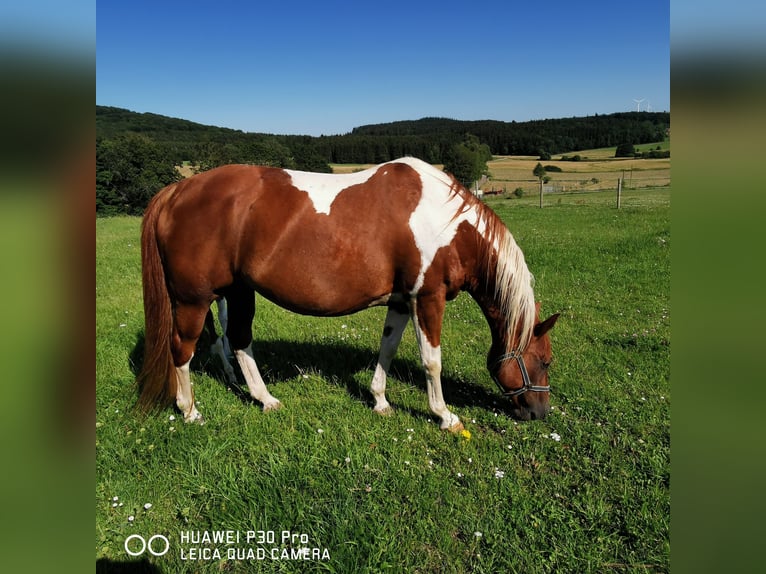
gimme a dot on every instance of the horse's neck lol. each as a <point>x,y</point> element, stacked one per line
<point>482,289</point>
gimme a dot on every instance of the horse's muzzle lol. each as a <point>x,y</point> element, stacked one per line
<point>530,412</point>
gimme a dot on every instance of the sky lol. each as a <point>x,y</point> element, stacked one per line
<point>325,67</point>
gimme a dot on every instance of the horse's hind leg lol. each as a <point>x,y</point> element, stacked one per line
<point>241,302</point>
<point>189,322</point>
<point>220,347</point>
<point>396,321</point>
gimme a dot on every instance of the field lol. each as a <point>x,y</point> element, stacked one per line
<point>585,490</point>
<point>597,169</point>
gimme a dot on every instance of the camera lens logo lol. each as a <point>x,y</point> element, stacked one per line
<point>157,545</point>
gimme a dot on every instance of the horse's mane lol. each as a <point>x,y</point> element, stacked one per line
<point>513,281</point>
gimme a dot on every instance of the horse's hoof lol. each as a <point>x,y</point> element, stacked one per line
<point>195,417</point>
<point>456,428</point>
<point>386,411</point>
<point>275,406</point>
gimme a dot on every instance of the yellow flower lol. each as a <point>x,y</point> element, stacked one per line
<point>466,434</point>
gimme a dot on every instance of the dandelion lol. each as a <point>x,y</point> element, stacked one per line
<point>466,434</point>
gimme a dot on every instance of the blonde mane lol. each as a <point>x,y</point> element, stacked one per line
<point>513,281</point>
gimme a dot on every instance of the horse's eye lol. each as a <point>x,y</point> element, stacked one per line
<point>545,365</point>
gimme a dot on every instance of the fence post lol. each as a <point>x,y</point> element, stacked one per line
<point>619,191</point>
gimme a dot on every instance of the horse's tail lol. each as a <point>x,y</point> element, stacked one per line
<point>157,381</point>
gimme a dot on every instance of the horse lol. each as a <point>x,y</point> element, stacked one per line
<point>220,346</point>
<point>402,234</point>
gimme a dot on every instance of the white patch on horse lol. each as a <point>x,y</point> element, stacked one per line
<point>433,223</point>
<point>323,188</point>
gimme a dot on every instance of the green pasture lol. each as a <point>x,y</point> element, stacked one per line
<point>585,490</point>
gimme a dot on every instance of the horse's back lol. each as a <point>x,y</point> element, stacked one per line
<point>315,243</point>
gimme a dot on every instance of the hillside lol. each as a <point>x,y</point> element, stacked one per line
<point>137,153</point>
<point>427,138</point>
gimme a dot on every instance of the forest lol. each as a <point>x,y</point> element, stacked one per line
<point>136,153</point>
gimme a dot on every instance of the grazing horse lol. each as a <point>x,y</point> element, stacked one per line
<point>403,234</point>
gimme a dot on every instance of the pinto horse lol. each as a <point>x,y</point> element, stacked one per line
<point>403,234</point>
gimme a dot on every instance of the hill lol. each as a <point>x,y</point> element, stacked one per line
<point>136,152</point>
<point>427,138</point>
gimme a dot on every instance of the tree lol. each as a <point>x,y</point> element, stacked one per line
<point>130,169</point>
<point>625,150</point>
<point>467,161</point>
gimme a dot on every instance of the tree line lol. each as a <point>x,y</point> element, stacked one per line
<point>136,153</point>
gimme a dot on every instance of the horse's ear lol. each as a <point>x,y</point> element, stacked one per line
<point>543,327</point>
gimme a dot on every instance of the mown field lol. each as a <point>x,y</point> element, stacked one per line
<point>596,170</point>
<point>585,490</point>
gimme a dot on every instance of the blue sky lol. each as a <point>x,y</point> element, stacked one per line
<point>294,67</point>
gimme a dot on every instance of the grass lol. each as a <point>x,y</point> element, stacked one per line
<point>396,493</point>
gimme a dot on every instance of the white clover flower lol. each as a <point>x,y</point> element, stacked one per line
<point>347,459</point>
<point>131,518</point>
<point>477,534</point>
<point>172,417</point>
<point>555,436</point>
<point>147,506</point>
<point>320,431</point>
<point>499,473</point>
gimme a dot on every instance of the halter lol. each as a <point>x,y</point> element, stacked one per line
<point>527,386</point>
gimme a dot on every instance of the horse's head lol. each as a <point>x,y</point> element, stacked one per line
<point>523,377</point>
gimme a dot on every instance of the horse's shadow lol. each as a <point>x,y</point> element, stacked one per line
<point>280,360</point>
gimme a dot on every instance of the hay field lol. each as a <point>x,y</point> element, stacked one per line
<point>598,169</point>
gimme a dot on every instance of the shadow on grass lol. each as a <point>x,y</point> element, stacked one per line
<point>281,360</point>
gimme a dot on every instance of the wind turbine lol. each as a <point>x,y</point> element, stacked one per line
<point>638,103</point>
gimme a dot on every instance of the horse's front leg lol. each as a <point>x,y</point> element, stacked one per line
<point>427,318</point>
<point>396,321</point>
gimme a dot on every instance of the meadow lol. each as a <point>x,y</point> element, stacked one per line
<point>585,490</point>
